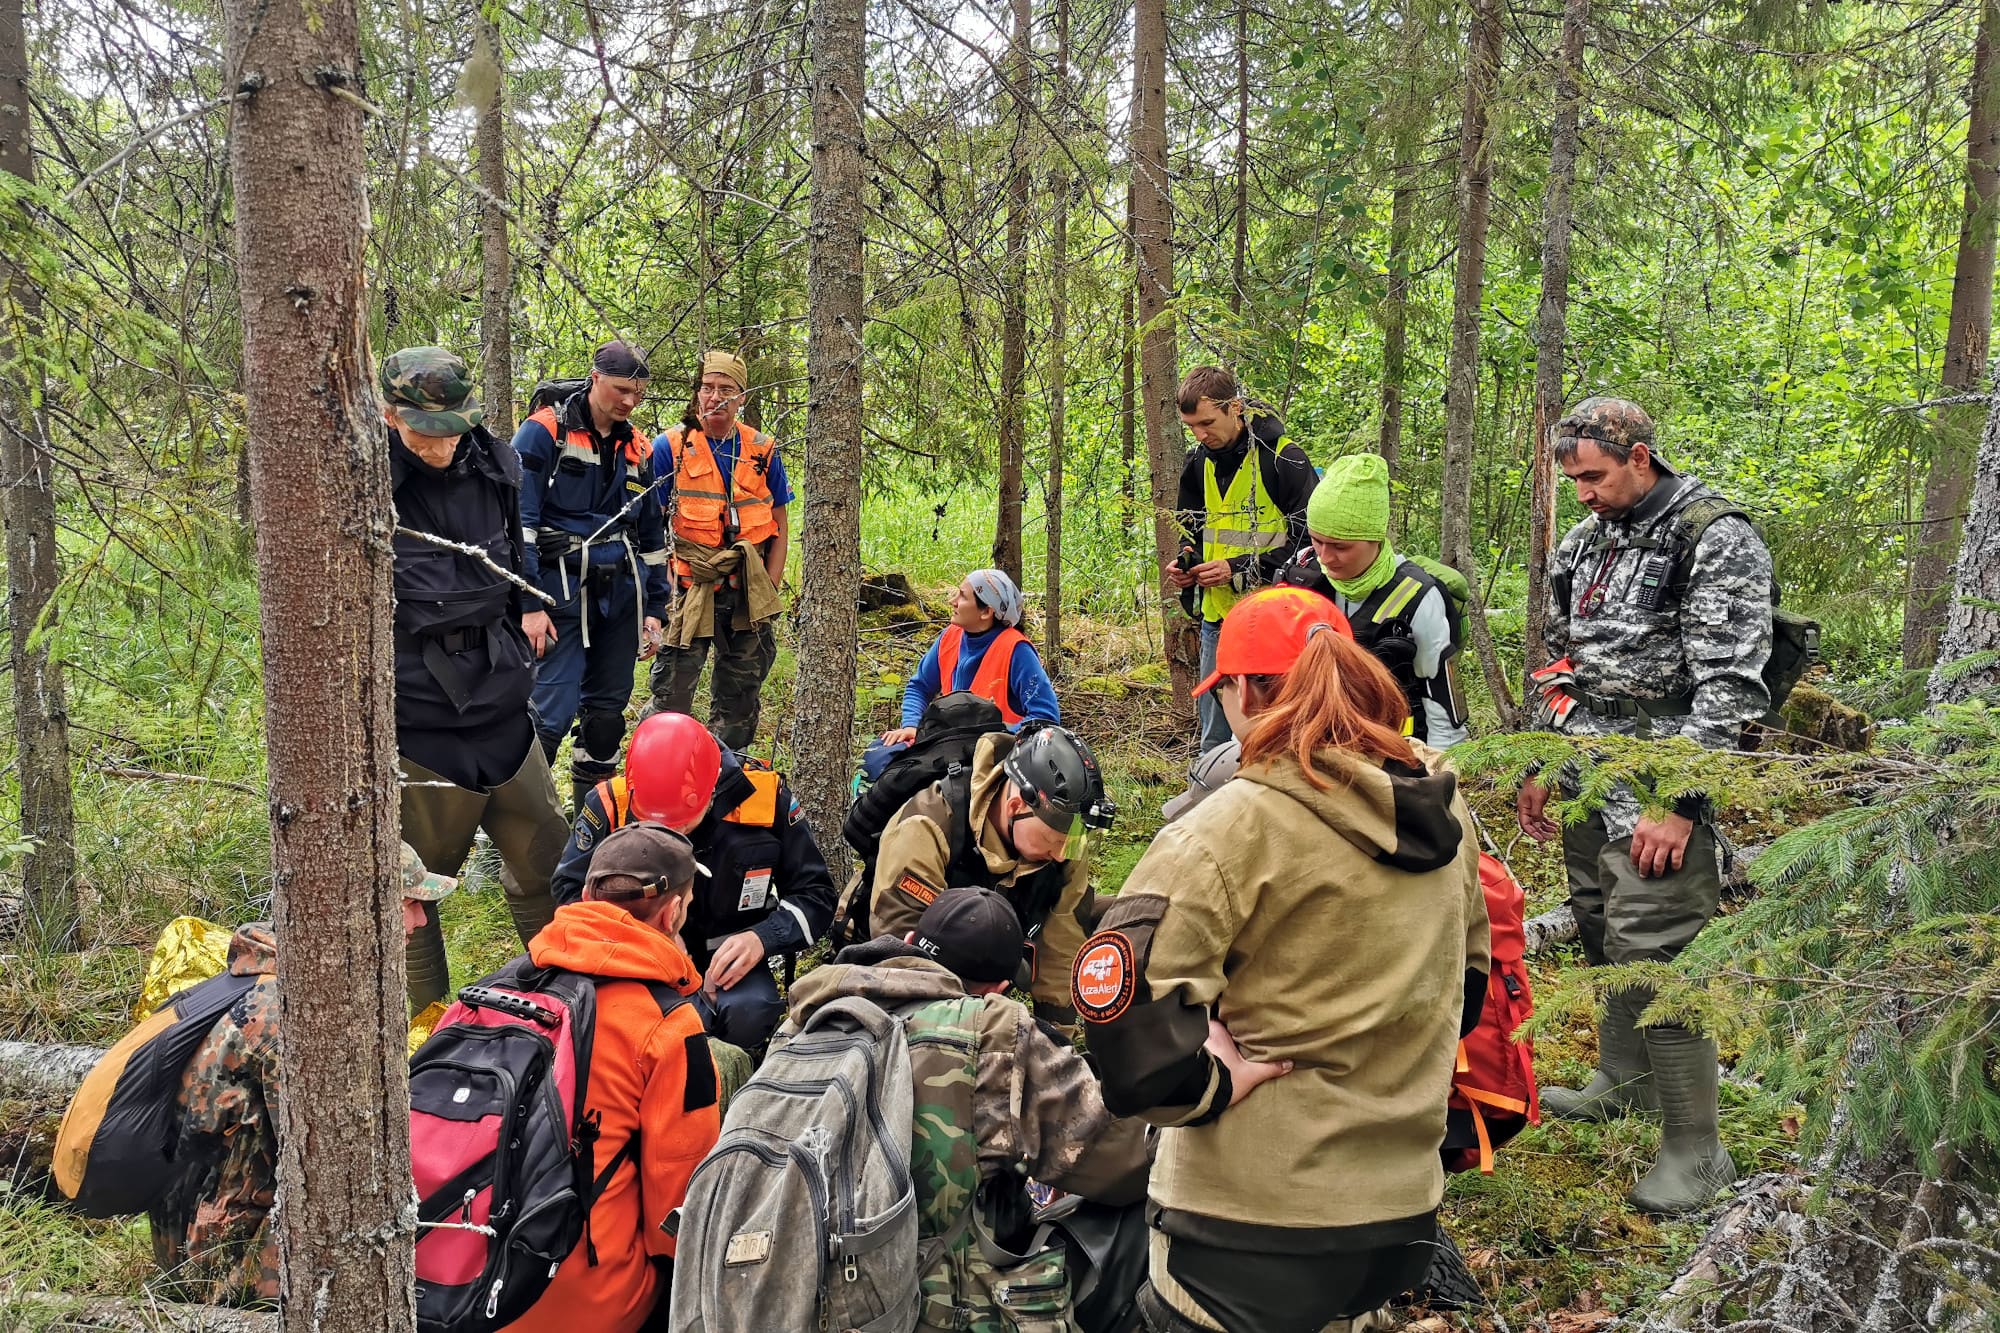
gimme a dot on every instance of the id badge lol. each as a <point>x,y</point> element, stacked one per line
<point>756,890</point>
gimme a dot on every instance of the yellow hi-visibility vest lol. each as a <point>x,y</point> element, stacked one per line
<point>1243,522</point>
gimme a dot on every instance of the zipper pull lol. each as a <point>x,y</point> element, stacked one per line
<point>465,1207</point>
<point>853,1269</point>
<point>493,1299</point>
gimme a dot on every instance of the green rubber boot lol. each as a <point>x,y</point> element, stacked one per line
<point>1623,1082</point>
<point>1692,1165</point>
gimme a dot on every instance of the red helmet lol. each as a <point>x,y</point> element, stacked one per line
<point>671,767</point>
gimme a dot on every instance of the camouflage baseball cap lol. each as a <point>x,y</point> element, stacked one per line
<point>419,883</point>
<point>431,390</point>
<point>1614,421</point>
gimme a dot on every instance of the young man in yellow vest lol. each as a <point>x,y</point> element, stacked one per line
<point>1242,511</point>
<point>726,496</point>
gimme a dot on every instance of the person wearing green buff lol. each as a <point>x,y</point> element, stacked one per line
<point>1408,613</point>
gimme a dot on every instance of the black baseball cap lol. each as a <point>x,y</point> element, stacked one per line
<point>973,932</point>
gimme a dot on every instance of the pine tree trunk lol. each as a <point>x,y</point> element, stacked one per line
<point>1967,335</point>
<point>1014,311</point>
<point>1237,265</point>
<point>496,357</point>
<point>28,508</point>
<point>320,483</point>
<point>1552,325</point>
<point>1052,489</point>
<point>823,713</point>
<point>1475,180</point>
<point>1973,624</point>
<point>1153,245</point>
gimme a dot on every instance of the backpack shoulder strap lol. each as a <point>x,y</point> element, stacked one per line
<point>1694,519</point>
<point>959,842</point>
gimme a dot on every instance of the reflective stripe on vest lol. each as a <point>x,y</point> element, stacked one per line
<point>581,445</point>
<point>1244,521</point>
<point>1398,600</point>
<point>702,504</point>
<point>989,679</point>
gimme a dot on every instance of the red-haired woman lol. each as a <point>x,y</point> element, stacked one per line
<point>1282,984</point>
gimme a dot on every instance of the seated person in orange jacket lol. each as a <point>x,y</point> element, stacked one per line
<point>982,650</point>
<point>650,1075</point>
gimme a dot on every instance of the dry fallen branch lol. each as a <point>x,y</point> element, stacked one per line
<point>466,549</point>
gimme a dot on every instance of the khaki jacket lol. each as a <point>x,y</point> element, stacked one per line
<point>1333,928</point>
<point>913,868</point>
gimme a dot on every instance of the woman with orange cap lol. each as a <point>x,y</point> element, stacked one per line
<point>1281,986</point>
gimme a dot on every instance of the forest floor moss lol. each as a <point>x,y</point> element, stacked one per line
<point>1548,1233</point>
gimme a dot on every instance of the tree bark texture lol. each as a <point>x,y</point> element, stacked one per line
<point>1153,247</point>
<point>28,509</point>
<point>1239,260</point>
<point>1967,335</point>
<point>1052,487</point>
<point>1475,181</point>
<point>1395,304</point>
<point>1014,308</point>
<point>1128,414</point>
<point>496,274</point>
<point>823,715</point>
<point>1972,625</point>
<point>320,481</point>
<point>1552,325</point>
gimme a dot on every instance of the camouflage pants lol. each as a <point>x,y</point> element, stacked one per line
<point>524,819</point>
<point>743,658</point>
<point>1623,918</point>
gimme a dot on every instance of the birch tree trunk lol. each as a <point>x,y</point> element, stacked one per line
<point>28,508</point>
<point>496,275</point>
<point>1970,328</point>
<point>346,1212</point>
<point>1552,325</point>
<point>1153,246</point>
<point>823,715</point>
<point>1014,309</point>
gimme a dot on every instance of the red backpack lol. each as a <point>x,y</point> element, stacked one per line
<point>1493,1087</point>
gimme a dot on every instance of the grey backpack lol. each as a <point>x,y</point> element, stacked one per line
<point>803,1215</point>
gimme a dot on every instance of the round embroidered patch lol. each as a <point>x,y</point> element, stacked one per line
<point>1105,977</point>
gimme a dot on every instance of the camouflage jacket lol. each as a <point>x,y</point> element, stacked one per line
<point>211,1234</point>
<point>1709,644</point>
<point>1036,1110</point>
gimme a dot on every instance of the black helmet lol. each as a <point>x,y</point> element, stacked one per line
<point>1058,777</point>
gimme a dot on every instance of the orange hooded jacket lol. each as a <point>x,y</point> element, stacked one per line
<point>651,1076</point>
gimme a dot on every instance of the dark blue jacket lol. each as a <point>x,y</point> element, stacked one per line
<point>576,484</point>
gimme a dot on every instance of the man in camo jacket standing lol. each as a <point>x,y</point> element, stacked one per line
<point>1661,626</point>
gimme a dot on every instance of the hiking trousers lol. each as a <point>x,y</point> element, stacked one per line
<point>1196,1287</point>
<point>1623,918</point>
<point>525,821</point>
<point>743,657</point>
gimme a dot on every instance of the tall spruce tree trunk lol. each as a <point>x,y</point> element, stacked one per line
<point>320,487</point>
<point>1240,259</point>
<point>1970,329</point>
<point>1128,396</point>
<point>496,274</point>
<point>1552,325</point>
<point>1475,181</point>
<point>1052,489</point>
<point>1973,623</point>
<point>1014,310</point>
<point>1396,299</point>
<point>823,713</point>
<point>1153,246</point>
<point>28,508</point>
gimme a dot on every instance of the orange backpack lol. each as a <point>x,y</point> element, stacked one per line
<point>1493,1087</point>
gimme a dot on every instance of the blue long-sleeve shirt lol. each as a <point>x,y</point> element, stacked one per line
<point>567,493</point>
<point>1028,688</point>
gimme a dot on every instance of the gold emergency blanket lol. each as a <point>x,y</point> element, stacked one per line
<point>188,950</point>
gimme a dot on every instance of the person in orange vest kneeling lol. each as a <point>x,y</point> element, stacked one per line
<point>982,650</point>
<point>723,485</point>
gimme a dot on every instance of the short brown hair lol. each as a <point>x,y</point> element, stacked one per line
<point>1210,382</point>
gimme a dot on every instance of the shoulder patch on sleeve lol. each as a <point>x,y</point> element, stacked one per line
<point>1105,977</point>
<point>701,1086</point>
<point>918,888</point>
<point>1137,909</point>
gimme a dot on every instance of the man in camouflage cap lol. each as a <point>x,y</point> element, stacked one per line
<point>464,672</point>
<point>1661,625</point>
<point>997,1095</point>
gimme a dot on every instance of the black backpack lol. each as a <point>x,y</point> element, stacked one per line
<point>946,738</point>
<point>554,393</point>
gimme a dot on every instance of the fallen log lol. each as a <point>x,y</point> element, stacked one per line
<point>32,1071</point>
<point>1552,927</point>
<point>51,1310</point>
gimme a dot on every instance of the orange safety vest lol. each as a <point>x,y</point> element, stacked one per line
<point>580,444</point>
<point>702,504</point>
<point>990,680</point>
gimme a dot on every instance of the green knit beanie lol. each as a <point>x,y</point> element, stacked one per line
<point>1351,502</point>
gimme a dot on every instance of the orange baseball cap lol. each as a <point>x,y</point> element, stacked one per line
<point>1265,632</point>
